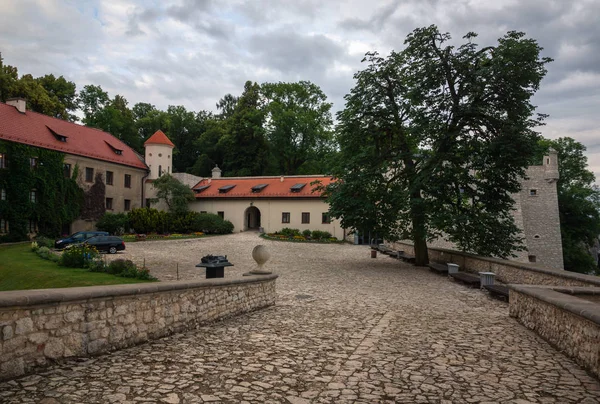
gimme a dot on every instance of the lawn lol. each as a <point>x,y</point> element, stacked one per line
<point>20,268</point>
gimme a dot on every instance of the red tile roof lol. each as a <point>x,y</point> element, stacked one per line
<point>276,188</point>
<point>44,131</point>
<point>159,138</point>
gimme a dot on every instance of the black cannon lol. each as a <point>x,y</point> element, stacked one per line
<point>215,265</point>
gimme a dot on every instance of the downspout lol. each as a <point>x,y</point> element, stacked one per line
<point>143,205</point>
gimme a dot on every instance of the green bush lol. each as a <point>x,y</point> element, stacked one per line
<point>78,256</point>
<point>96,265</point>
<point>321,235</point>
<point>44,252</point>
<point>120,266</point>
<point>286,231</point>
<point>114,223</point>
<point>44,242</point>
<point>146,221</point>
<point>306,233</point>
<point>128,269</point>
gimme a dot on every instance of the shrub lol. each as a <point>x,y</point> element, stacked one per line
<point>120,266</point>
<point>321,235</point>
<point>78,256</point>
<point>306,233</point>
<point>96,265</point>
<point>128,269</point>
<point>286,231</point>
<point>44,242</point>
<point>145,220</point>
<point>44,252</point>
<point>114,223</point>
<point>34,246</point>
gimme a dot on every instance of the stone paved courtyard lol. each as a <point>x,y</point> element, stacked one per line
<point>346,328</point>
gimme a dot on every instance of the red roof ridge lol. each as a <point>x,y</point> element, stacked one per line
<point>159,137</point>
<point>32,127</point>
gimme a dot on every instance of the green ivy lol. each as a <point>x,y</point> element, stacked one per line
<point>58,199</point>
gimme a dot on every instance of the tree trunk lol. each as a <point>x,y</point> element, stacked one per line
<point>419,236</point>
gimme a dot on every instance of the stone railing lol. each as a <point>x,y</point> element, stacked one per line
<point>506,271</point>
<point>40,326</point>
<point>568,318</point>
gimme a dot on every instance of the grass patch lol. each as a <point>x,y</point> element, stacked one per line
<point>21,268</point>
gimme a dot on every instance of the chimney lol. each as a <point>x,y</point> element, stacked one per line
<point>18,102</point>
<point>216,172</point>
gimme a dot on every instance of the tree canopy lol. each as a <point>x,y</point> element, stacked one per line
<point>434,139</point>
<point>175,194</point>
<point>298,125</point>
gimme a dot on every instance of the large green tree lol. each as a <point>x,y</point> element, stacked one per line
<point>578,204</point>
<point>434,139</point>
<point>299,126</point>
<point>245,147</point>
<point>63,95</point>
<point>110,115</point>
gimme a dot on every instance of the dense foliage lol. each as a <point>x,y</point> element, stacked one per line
<point>269,129</point>
<point>434,139</point>
<point>114,223</point>
<point>56,199</point>
<point>176,195</point>
<point>144,220</point>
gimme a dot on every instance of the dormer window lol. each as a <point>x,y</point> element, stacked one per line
<point>257,188</point>
<point>297,187</point>
<point>58,136</point>
<point>226,188</point>
<point>200,189</point>
<point>114,149</point>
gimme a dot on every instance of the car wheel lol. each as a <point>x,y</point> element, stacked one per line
<point>112,250</point>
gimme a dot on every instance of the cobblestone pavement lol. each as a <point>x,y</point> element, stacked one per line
<point>346,328</point>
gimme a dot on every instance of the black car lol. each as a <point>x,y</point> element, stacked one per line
<point>110,244</point>
<point>77,238</point>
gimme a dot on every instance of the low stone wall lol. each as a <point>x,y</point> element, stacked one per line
<point>41,326</point>
<point>506,271</point>
<point>570,323</point>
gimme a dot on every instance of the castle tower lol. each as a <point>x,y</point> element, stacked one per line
<point>159,155</point>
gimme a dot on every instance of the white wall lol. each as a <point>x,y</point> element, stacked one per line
<point>159,155</point>
<point>271,213</point>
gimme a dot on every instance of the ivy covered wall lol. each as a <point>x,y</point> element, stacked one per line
<point>58,198</point>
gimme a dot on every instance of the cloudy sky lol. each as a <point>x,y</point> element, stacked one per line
<point>192,52</point>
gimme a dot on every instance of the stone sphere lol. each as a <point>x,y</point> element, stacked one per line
<point>260,255</point>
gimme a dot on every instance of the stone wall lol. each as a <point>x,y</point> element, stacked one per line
<point>536,213</point>
<point>41,326</point>
<point>506,271</point>
<point>569,323</point>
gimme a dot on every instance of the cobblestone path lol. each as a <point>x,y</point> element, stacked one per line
<point>346,328</point>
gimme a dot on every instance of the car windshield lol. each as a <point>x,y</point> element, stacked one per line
<point>77,236</point>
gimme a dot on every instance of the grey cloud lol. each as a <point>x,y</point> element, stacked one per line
<point>293,53</point>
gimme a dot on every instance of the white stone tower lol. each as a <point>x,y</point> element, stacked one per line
<point>159,155</point>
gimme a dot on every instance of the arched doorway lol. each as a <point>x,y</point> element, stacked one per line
<point>252,218</point>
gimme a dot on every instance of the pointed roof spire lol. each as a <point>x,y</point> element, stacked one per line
<point>159,138</point>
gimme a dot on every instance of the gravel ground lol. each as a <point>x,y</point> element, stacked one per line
<point>346,328</point>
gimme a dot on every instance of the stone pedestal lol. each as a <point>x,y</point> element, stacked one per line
<point>261,256</point>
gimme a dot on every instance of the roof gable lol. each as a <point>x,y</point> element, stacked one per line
<point>44,131</point>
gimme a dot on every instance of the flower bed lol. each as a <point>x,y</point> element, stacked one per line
<point>298,239</point>
<point>154,236</point>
